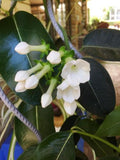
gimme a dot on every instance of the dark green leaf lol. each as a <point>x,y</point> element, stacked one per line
<point>103,44</point>
<point>98,95</point>
<point>110,158</point>
<point>68,124</point>
<point>58,146</point>
<point>91,126</point>
<point>21,27</point>
<point>41,118</point>
<point>111,124</point>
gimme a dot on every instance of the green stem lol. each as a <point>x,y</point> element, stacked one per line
<point>37,122</point>
<point>9,120</point>
<point>64,146</point>
<point>80,106</point>
<point>12,7</point>
<point>12,147</point>
<point>41,48</point>
<point>57,103</point>
<point>94,155</point>
<point>35,68</point>
<point>76,129</point>
<point>45,69</point>
<point>53,83</point>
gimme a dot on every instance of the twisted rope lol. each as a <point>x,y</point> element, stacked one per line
<point>56,26</point>
<point>18,114</point>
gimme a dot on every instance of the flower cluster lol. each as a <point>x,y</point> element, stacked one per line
<point>73,72</point>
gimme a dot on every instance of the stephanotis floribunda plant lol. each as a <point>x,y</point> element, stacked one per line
<point>44,78</point>
<point>71,73</point>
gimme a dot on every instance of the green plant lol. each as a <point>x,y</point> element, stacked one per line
<point>35,132</point>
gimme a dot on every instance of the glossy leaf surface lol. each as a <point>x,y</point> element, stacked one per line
<point>41,118</point>
<point>20,27</point>
<point>111,125</point>
<point>58,146</point>
<point>90,126</point>
<point>98,95</point>
<point>110,158</point>
<point>103,44</point>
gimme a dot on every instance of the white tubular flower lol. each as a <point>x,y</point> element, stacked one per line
<point>31,82</point>
<point>20,87</point>
<point>22,48</point>
<point>24,74</point>
<point>76,72</point>
<point>21,75</point>
<point>70,107</point>
<point>54,57</point>
<point>67,92</point>
<point>25,48</point>
<point>46,100</point>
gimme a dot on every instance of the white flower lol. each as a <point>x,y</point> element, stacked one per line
<point>76,72</point>
<point>67,92</point>
<point>24,74</point>
<point>70,107</point>
<point>31,82</point>
<point>54,57</point>
<point>21,75</point>
<point>46,99</point>
<point>22,48</point>
<point>20,87</point>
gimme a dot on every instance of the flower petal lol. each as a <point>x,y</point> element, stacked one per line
<point>46,100</point>
<point>31,82</point>
<point>67,68</point>
<point>54,57</point>
<point>71,93</point>
<point>21,76</point>
<point>63,85</point>
<point>70,107</point>
<point>22,48</point>
<point>20,87</point>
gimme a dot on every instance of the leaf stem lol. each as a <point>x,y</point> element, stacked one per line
<point>64,145</point>
<point>12,147</point>
<point>56,102</point>
<point>76,129</point>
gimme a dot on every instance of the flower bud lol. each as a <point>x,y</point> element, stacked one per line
<point>46,100</point>
<point>54,57</point>
<point>21,76</point>
<point>31,82</point>
<point>20,87</point>
<point>22,48</point>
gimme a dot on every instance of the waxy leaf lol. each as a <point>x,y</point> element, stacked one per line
<point>103,44</point>
<point>110,158</point>
<point>41,118</point>
<point>111,125</point>
<point>59,146</point>
<point>20,27</point>
<point>98,95</point>
<point>91,126</point>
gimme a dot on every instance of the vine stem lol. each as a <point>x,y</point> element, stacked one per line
<point>12,147</point>
<point>13,109</point>
<point>76,129</point>
<point>57,28</point>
